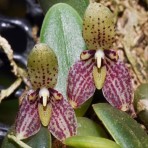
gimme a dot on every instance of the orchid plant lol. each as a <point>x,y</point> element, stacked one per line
<point>42,103</point>
<point>99,66</point>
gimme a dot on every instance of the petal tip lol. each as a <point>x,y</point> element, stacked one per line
<point>73,104</point>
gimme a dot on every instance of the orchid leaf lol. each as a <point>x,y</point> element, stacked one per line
<point>40,140</point>
<point>90,142</point>
<point>67,42</point>
<point>87,127</point>
<point>80,111</point>
<point>62,31</point>
<point>79,5</point>
<point>117,88</point>
<point>124,129</point>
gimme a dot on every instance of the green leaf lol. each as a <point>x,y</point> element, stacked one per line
<point>79,5</point>
<point>87,127</point>
<point>41,140</point>
<point>124,129</point>
<point>90,142</point>
<point>62,31</point>
<point>83,108</point>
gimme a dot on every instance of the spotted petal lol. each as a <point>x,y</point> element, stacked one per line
<point>63,121</point>
<point>27,121</point>
<point>117,88</point>
<point>80,82</point>
<point>42,66</point>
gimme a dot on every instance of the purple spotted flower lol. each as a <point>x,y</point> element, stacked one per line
<point>43,104</point>
<point>99,68</point>
<point>112,76</point>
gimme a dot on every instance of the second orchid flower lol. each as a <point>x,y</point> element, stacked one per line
<point>99,66</point>
<point>42,103</point>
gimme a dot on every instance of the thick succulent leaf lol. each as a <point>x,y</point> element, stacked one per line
<point>27,121</point>
<point>79,5</point>
<point>63,122</point>
<point>98,27</point>
<point>42,66</point>
<point>124,129</point>
<point>41,140</point>
<point>81,110</point>
<point>117,88</point>
<point>80,82</point>
<point>87,127</point>
<point>90,142</point>
<point>62,31</point>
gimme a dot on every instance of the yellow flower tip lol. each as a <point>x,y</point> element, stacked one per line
<point>115,56</point>
<point>57,96</point>
<point>44,94</point>
<point>142,105</point>
<point>124,107</point>
<point>20,136</point>
<point>84,56</point>
<point>73,104</point>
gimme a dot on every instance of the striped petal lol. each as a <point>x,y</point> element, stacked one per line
<point>117,88</point>
<point>42,67</point>
<point>27,121</point>
<point>80,82</point>
<point>63,122</point>
<point>98,27</point>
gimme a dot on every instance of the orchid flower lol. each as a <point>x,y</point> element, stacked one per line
<point>43,104</point>
<point>99,66</point>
